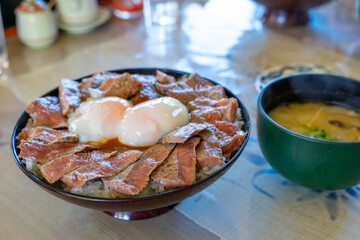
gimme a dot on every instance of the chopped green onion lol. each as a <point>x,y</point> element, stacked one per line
<point>317,133</point>
<point>181,78</point>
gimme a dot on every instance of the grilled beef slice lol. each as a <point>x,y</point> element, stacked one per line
<point>120,85</point>
<point>193,82</point>
<point>208,155</point>
<point>209,135</point>
<point>231,136</point>
<point>135,177</point>
<point>46,111</point>
<point>55,169</point>
<point>164,78</point>
<point>102,168</point>
<point>209,110</point>
<point>209,115</point>
<point>47,135</point>
<point>187,95</point>
<point>69,95</point>
<point>181,134</point>
<point>164,88</point>
<point>44,152</point>
<point>196,81</point>
<point>148,92</point>
<point>93,82</point>
<point>179,169</point>
<point>225,135</point>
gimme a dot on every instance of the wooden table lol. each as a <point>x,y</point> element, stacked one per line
<point>224,41</point>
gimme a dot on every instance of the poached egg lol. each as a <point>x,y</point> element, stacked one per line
<point>100,120</point>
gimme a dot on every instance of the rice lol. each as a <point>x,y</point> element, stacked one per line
<point>31,166</point>
<point>239,122</point>
<point>94,188</point>
<point>158,188</point>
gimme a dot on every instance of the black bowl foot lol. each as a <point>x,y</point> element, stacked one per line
<point>139,215</point>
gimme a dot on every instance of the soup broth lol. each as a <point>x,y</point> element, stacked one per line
<point>319,120</point>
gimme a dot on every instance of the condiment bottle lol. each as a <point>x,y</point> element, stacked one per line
<point>35,24</point>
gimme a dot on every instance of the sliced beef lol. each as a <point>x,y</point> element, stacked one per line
<point>147,93</point>
<point>208,155</point>
<point>96,80</point>
<point>216,92</point>
<point>210,136</point>
<point>228,108</point>
<point>179,169</point>
<point>209,115</point>
<point>46,111</point>
<point>231,136</point>
<point>201,103</point>
<point>47,135</point>
<point>55,169</point>
<point>181,134</point>
<point>195,81</point>
<point>44,152</point>
<point>135,177</point>
<point>164,78</point>
<point>164,88</point>
<point>205,102</point>
<point>69,95</point>
<point>93,82</point>
<point>225,134</point>
<point>101,168</point>
<point>209,110</point>
<point>120,85</point>
<point>183,95</point>
<point>186,95</point>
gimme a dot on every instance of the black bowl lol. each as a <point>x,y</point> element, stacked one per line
<point>135,207</point>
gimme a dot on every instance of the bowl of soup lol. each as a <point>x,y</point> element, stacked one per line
<point>308,128</point>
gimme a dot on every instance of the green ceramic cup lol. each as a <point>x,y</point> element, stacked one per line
<point>313,163</point>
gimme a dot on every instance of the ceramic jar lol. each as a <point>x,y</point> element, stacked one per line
<point>35,23</point>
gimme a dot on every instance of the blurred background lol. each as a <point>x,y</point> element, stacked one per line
<point>7,10</point>
<point>8,7</point>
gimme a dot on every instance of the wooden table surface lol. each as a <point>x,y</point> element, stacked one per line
<point>223,40</point>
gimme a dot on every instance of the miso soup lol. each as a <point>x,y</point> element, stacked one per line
<point>319,120</point>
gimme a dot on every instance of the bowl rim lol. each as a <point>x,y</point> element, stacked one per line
<point>284,78</point>
<point>49,187</point>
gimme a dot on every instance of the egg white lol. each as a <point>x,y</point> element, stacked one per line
<point>99,120</point>
<point>144,124</point>
<point>96,120</point>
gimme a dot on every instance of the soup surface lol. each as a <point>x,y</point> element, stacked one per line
<point>319,120</point>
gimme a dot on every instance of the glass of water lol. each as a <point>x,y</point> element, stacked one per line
<point>162,12</point>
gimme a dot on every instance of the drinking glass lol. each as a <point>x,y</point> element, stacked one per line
<point>4,62</point>
<point>162,12</point>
